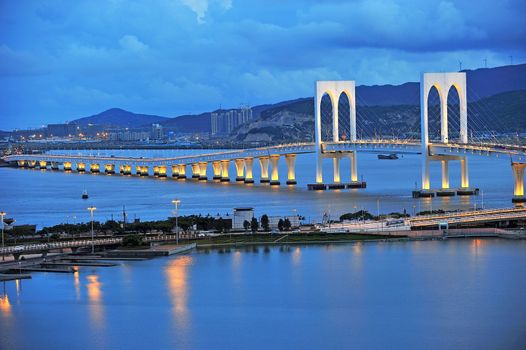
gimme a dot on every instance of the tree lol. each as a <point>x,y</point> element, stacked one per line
<point>254,224</point>
<point>246,225</point>
<point>286,224</point>
<point>265,223</point>
<point>132,240</point>
<point>280,225</point>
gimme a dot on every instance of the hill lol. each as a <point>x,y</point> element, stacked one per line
<point>117,117</point>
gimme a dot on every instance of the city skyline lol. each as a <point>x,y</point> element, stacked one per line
<point>87,58</point>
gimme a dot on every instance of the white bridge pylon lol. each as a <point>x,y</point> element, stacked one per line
<point>443,82</point>
<point>334,89</point>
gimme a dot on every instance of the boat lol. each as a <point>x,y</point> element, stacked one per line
<point>389,156</point>
<point>85,194</point>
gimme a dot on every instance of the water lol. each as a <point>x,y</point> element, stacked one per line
<point>455,294</point>
<point>48,197</point>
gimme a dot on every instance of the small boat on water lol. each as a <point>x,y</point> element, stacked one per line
<point>388,156</point>
<point>85,195</point>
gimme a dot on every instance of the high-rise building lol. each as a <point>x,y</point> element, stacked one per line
<point>157,132</point>
<point>225,121</point>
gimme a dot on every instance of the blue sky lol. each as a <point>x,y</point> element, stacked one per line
<point>61,60</point>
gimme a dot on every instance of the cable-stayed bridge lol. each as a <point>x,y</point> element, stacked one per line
<point>447,132</point>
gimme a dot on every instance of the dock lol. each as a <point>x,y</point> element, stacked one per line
<point>151,252</point>
<point>13,276</point>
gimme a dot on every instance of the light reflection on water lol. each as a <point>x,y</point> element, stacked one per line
<point>444,294</point>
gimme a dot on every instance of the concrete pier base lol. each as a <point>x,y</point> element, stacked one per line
<point>445,192</point>
<point>317,187</point>
<point>467,191</point>
<point>356,184</point>
<point>423,194</point>
<point>336,186</point>
<point>249,181</point>
<point>240,178</point>
<point>181,177</point>
<point>203,178</point>
<point>275,183</point>
<point>264,180</point>
<point>518,199</point>
<point>217,177</point>
<point>225,179</point>
<point>291,182</point>
<point>195,176</point>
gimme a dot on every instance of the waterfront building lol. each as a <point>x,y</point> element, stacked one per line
<point>223,122</point>
<point>240,216</point>
<point>62,130</point>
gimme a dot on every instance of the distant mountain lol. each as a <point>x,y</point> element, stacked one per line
<point>502,113</point>
<point>117,117</point>
<point>189,123</point>
<point>483,82</point>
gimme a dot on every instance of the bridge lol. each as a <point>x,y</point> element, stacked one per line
<point>328,145</point>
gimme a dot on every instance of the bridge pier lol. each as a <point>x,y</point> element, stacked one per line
<point>94,168</point>
<point>156,170</point>
<point>290,159</point>
<point>109,168</point>
<point>274,176</point>
<point>518,182</point>
<point>202,171</point>
<point>263,163</point>
<point>216,167</point>
<point>42,165</point>
<point>182,171</point>
<point>31,164</point>
<point>336,167</point>
<point>126,170</point>
<point>81,167</point>
<point>67,166</point>
<point>175,171</point>
<point>249,163</point>
<point>162,171</point>
<point>224,170</point>
<point>465,190</point>
<point>195,171</point>
<point>240,169</point>
<point>445,191</point>
<point>21,163</point>
<point>54,166</point>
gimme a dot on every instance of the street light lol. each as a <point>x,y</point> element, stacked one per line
<point>91,210</point>
<point>2,215</point>
<point>176,202</point>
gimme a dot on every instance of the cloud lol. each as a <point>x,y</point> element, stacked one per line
<point>62,60</point>
<point>131,43</point>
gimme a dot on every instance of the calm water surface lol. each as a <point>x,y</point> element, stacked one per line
<point>457,294</point>
<point>48,197</point>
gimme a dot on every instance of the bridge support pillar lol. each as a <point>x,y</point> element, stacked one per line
<point>445,174</point>
<point>67,166</point>
<point>465,190</point>
<point>249,163</point>
<point>162,170</point>
<point>354,167</point>
<point>336,165</point>
<point>224,170</point>
<point>145,171</point>
<point>31,164</point>
<point>216,167</point>
<point>518,178</point>
<point>195,171</point>
<point>138,170</point>
<point>54,166</point>
<point>263,163</point>
<point>81,167</point>
<point>126,169</point>
<point>156,170</point>
<point>290,159</point>
<point>94,168</point>
<point>109,168</point>
<point>240,169</point>
<point>274,175</point>
<point>42,165</point>
<point>182,171</point>
<point>175,171</point>
<point>21,163</point>
<point>202,171</point>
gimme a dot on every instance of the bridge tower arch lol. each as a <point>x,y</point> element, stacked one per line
<point>334,89</point>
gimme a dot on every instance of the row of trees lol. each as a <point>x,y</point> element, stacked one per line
<point>253,225</point>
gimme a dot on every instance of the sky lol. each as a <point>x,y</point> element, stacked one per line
<point>61,60</point>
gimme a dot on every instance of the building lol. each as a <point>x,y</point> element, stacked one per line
<point>62,130</point>
<point>129,135</point>
<point>240,216</point>
<point>223,122</point>
<point>157,132</point>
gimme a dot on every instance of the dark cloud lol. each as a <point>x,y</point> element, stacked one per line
<point>60,59</point>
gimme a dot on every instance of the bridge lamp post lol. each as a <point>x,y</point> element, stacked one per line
<point>91,210</point>
<point>176,202</point>
<point>2,215</point>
